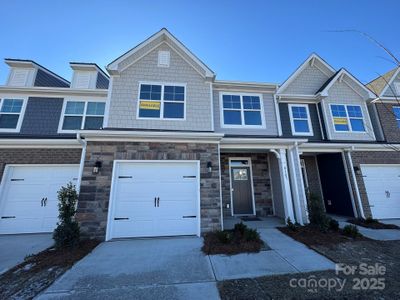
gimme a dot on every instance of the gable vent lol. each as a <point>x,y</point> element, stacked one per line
<point>19,77</point>
<point>163,58</point>
<point>82,81</point>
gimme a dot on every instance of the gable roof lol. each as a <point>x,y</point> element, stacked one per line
<point>166,36</point>
<point>28,63</point>
<point>299,69</point>
<point>380,84</point>
<point>323,91</point>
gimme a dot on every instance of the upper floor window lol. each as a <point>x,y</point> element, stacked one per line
<point>10,114</point>
<point>158,101</point>
<point>300,119</point>
<point>83,115</point>
<point>396,111</point>
<point>241,110</point>
<point>347,118</point>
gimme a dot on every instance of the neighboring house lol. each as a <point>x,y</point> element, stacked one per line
<point>162,148</point>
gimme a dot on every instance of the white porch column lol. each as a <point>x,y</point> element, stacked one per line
<point>285,184</point>
<point>299,194</point>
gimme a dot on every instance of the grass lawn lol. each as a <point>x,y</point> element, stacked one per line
<point>39,271</point>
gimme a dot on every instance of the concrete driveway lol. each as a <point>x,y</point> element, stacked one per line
<point>14,248</point>
<point>169,268</point>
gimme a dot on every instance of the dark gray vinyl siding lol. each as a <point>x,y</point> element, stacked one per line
<point>321,115</point>
<point>376,124</point>
<point>42,116</point>
<point>45,79</point>
<point>102,81</point>
<point>286,126</point>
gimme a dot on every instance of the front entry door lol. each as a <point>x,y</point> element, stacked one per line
<point>242,196</point>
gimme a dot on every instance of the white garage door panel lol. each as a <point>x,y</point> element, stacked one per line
<point>137,184</point>
<point>382,184</point>
<point>21,208</point>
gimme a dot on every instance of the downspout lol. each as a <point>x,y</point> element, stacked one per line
<point>82,162</point>
<point>353,176</point>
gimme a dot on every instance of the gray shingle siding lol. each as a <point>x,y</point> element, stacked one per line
<point>102,81</point>
<point>42,116</point>
<point>286,126</point>
<point>44,79</point>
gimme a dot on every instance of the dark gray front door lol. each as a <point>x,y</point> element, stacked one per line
<point>241,191</point>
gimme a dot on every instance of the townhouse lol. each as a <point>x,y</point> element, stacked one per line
<point>160,147</point>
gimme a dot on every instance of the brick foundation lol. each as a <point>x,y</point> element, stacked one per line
<point>95,189</point>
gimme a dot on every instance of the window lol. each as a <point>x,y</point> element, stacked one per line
<point>10,113</point>
<point>396,111</point>
<point>241,110</point>
<point>83,115</point>
<point>300,119</point>
<point>161,101</point>
<point>347,118</point>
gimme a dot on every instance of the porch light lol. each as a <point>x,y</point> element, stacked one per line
<point>209,166</point>
<point>97,167</point>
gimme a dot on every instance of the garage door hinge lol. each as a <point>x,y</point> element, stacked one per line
<point>17,179</point>
<point>192,176</point>
<point>8,217</point>
<point>117,219</point>
<point>124,176</point>
<point>186,217</point>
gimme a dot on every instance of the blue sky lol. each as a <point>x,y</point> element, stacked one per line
<point>240,40</point>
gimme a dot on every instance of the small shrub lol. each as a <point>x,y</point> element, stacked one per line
<point>333,225</point>
<point>290,224</point>
<point>317,213</point>
<point>351,231</point>
<point>225,237</point>
<point>251,235</point>
<point>370,220</point>
<point>67,233</point>
<point>240,228</point>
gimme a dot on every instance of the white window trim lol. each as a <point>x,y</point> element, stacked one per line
<point>221,110</point>
<point>60,124</point>
<point>21,113</point>
<point>395,117</point>
<point>348,119</point>
<point>162,101</point>
<point>294,132</point>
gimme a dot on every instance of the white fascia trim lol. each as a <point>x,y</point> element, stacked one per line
<point>298,97</point>
<point>301,68</point>
<point>258,143</point>
<point>114,65</point>
<point>324,147</point>
<point>51,91</point>
<point>390,82</point>
<point>39,143</point>
<point>245,84</point>
<point>341,73</point>
<point>395,100</point>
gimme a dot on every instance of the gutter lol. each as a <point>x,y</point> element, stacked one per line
<point>82,161</point>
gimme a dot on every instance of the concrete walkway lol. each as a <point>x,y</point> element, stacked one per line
<point>15,247</point>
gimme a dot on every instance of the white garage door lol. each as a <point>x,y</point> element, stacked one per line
<point>383,188</point>
<point>29,201</point>
<point>154,199</point>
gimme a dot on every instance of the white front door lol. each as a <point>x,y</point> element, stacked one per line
<point>382,183</point>
<point>29,202</point>
<point>154,199</point>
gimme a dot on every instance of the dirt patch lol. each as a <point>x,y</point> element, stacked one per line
<point>351,253</point>
<point>39,271</point>
<point>373,224</point>
<point>311,235</point>
<point>239,240</point>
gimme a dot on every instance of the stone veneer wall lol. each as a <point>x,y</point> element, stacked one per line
<point>370,157</point>
<point>95,189</point>
<point>38,156</point>
<point>261,182</point>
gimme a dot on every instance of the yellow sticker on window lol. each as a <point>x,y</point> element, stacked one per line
<point>150,105</point>
<point>340,121</point>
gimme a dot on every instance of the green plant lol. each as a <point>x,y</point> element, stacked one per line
<point>240,228</point>
<point>317,212</point>
<point>67,233</point>
<point>370,220</point>
<point>251,235</point>
<point>333,225</point>
<point>225,237</point>
<point>351,231</point>
<point>290,224</point>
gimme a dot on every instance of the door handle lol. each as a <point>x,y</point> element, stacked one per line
<point>158,201</point>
